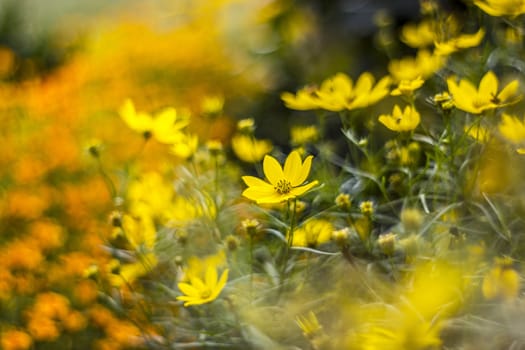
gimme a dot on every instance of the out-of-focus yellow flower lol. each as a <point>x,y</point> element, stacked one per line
<point>339,93</point>
<point>405,120</point>
<point>309,324</point>
<point>301,135</point>
<point>212,105</point>
<point>283,183</point>
<point>424,65</point>
<point>501,281</point>
<point>165,126</point>
<point>246,126</point>
<point>185,146</point>
<point>462,41</point>
<point>419,35</point>
<point>312,233</point>
<point>249,149</point>
<point>203,289</point>
<point>15,340</point>
<point>407,87</point>
<point>498,8</point>
<point>478,132</point>
<point>474,100</point>
<point>512,129</point>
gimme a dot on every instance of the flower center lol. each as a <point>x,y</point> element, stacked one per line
<point>283,186</point>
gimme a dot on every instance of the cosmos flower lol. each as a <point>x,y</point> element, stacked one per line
<point>399,120</point>
<point>283,183</point>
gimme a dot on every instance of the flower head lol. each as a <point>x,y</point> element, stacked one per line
<point>164,127</point>
<point>338,93</point>
<point>469,99</point>
<point>405,120</point>
<point>407,87</point>
<point>424,65</point>
<point>201,290</point>
<point>499,8</point>
<point>501,281</point>
<point>283,183</point>
<point>313,233</point>
<point>248,149</point>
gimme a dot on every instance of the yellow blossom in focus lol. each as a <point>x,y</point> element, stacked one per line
<point>249,149</point>
<point>424,65</point>
<point>512,129</point>
<point>339,93</point>
<point>499,8</point>
<point>15,340</point>
<point>203,289</point>
<point>312,233</point>
<point>474,100</point>
<point>419,35</point>
<point>407,87</point>
<point>165,126</point>
<point>501,281</point>
<point>462,41</point>
<point>399,120</point>
<point>283,183</point>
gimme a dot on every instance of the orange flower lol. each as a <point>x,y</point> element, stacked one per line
<point>16,340</point>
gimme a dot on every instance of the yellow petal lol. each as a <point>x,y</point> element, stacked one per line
<point>297,191</point>
<point>509,91</point>
<point>211,277</point>
<point>272,169</point>
<point>488,86</point>
<point>188,289</point>
<point>292,167</point>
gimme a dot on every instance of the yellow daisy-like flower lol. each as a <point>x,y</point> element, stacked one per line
<point>313,233</point>
<point>499,8</point>
<point>512,128</point>
<point>407,87</point>
<point>248,149</point>
<point>339,93</point>
<point>462,41</point>
<point>502,281</point>
<point>165,126</point>
<point>419,35</point>
<point>474,100</point>
<point>283,183</point>
<point>424,65</point>
<point>399,120</point>
<point>202,291</point>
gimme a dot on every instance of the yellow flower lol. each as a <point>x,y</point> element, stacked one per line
<point>407,87</point>
<point>469,99</point>
<point>501,281</point>
<point>283,184</point>
<point>300,135</point>
<point>418,35</point>
<point>406,120</point>
<point>313,233</point>
<point>16,340</point>
<point>462,41</point>
<point>250,150</point>
<point>339,93</point>
<point>512,129</point>
<point>185,146</point>
<point>201,291</point>
<point>501,7</point>
<point>479,133</point>
<point>424,65</point>
<point>164,127</point>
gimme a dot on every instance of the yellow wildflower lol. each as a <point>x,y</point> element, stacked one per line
<point>312,233</point>
<point>246,126</point>
<point>418,35</point>
<point>301,135</point>
<point>469,99</point>
<point>498,8</point>
<point>462,41</point>
<point>250,150</point>
<point>185,146</point>
<point>406,120</point>
<point>309,324</point>
<point>164,127</point>
<point>501,281</point>
<point>424,65</point>
<point>203,290</point>
<point>283,183</point>
<point>212,105</point>
<point>339,93</point>
<point>478,132</point>
<point>16,340</point>
<point>512,128</point>
<point>407,87</point>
